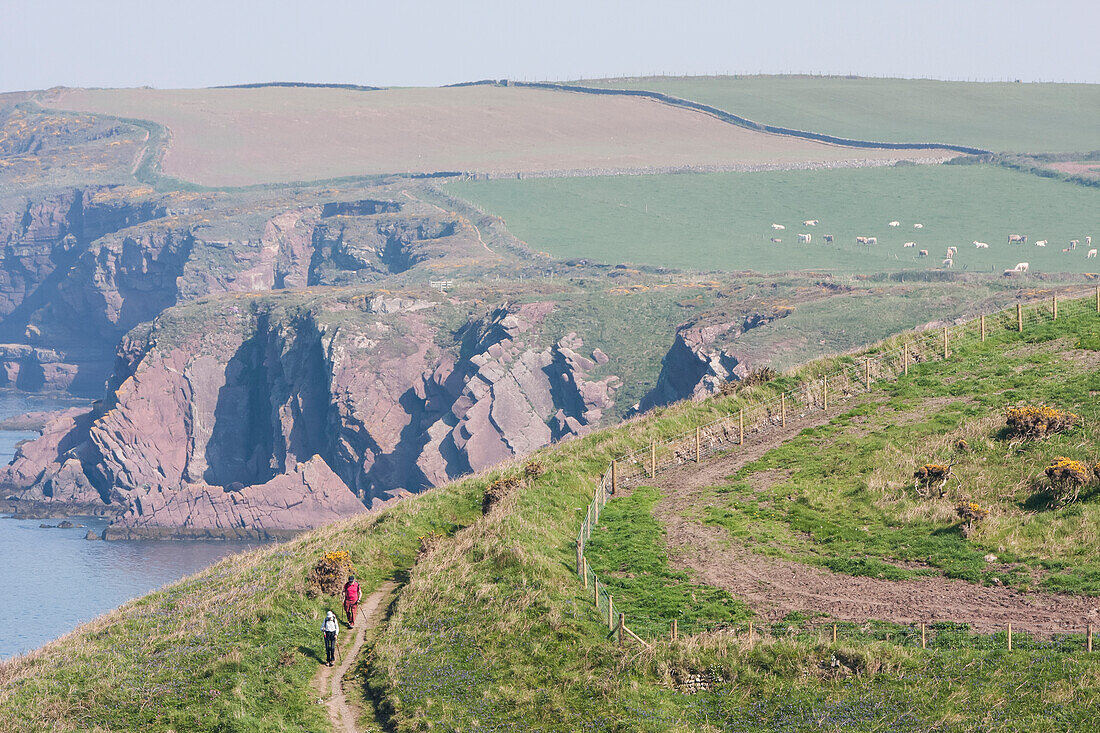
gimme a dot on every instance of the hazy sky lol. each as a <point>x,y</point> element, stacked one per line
<point>189,43</point>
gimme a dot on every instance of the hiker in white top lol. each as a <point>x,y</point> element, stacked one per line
<point>330,626</point>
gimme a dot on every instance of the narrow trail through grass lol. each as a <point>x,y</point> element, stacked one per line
<point>329,682</point>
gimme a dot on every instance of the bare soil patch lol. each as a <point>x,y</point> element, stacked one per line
<point>774,587</point>
<point>234,137</point>
<point>1089,168</point>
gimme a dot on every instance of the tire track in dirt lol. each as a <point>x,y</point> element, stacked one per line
<point>329,682</point>
<point>774,587</point>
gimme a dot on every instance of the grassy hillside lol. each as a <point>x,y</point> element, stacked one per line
<point>492,630</point>
<point>1002,117</point>
<point>723,220</point>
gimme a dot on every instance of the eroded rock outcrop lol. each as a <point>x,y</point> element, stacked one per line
<point>215,410</point>
<point>702,357</point>
<point>308,496</point>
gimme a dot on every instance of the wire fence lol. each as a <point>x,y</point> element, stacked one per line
<point>852,376</point>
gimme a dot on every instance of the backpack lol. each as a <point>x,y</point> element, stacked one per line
<point>351,592</point>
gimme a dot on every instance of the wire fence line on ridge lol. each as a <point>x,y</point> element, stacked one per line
<point>857,375</point>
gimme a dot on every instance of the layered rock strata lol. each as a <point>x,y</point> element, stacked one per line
<point>231,412</point>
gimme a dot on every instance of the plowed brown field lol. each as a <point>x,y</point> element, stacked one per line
<point>233,137</point>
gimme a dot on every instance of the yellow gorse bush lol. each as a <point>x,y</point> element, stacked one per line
<point>972,512</point>
<point>329,574</point>
<point>931,472</point>
<point>1067,476</point>
<point>1034,422</point>
<point>339,557</point>
<point>497,490</point>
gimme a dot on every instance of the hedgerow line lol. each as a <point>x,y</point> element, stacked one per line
<point>733,429</point>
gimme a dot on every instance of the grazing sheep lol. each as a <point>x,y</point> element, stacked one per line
<point>1021,266</point>
<point>922,253</point>
<point>1088,241</point>
<point>918,226</point>
<point>810,223</point>
<point>952,251</point>
<point>776,240</point>
<point>948,262</point>
<point>894,224</point>
<point>1041,243</point>
<point>981,245</point>
<point>778,226</point>
<point>804,238</point>
<point>1067,249</point>
<point>861,240</point>
<point>1021,238</point>
<point>829,238</point>
<point>872,240</point>
<point>1091,255</point>
<point>909,244</point>
<point>1073,243</point>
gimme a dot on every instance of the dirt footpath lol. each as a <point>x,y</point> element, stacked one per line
<point>329,680</point>
<point>773,587</point>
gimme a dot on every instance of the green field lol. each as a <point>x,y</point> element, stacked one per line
<point>1002,117</point>
<point>723,220</point>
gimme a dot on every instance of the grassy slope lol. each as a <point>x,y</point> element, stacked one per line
<point>844,498</point>
<point>1002,117</point>
<point>723,220</point>
<point>232,648</point>
<point>493,632</point>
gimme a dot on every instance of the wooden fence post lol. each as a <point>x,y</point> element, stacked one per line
<point>673,633</point>
<point>596,592</point>
<point>614,476</point>
<point>867,373</point>
<point>1010,637</point>
<point>834,633</point>
<point>1098,298</point>
<point>653,459</point>
<point>588,523</point>
<point>610,612</point>
<point>982,319</point>
<point>584,570</point>
<point>698,445</point>
<point>945,342</point>
<point>741,427</point>
<point>1054,305</point>
<point>824,392</point>
<point>1020,317</point>
<point>622,623</point>
<point>923,637</point>
<point>905,358</point>
<point>783,409</point>
<point>1088,639</point>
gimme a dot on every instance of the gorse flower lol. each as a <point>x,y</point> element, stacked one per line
<point>1067,476</point>
<point>1035,422</point>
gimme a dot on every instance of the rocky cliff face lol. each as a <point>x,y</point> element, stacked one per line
<point>703,356</point>
<point>229,410</point>
<point>80,268</point>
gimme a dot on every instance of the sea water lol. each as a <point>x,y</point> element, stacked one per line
<point>52,580</point>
